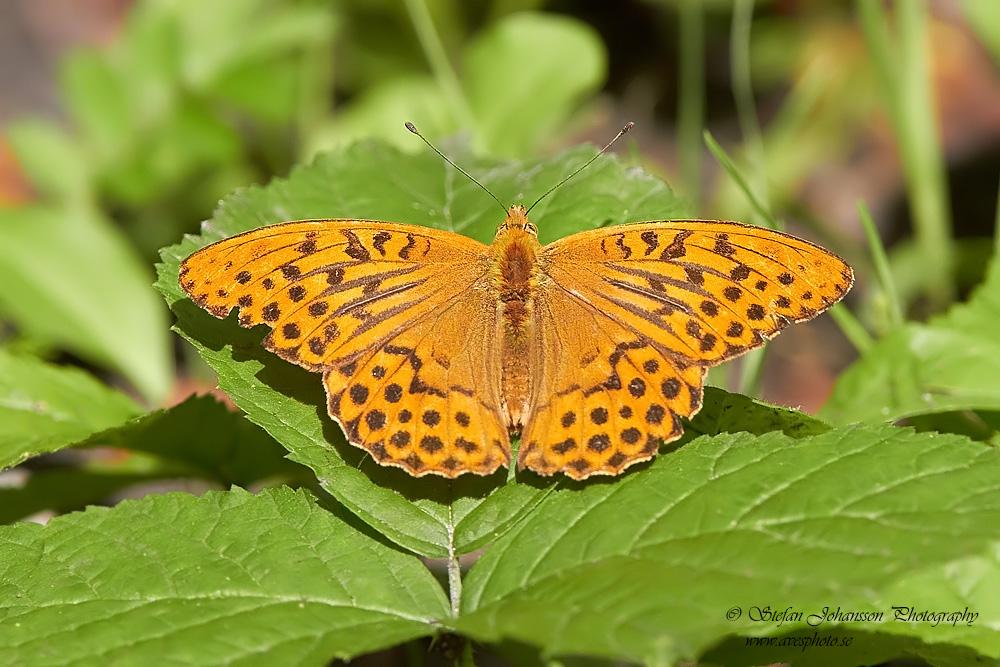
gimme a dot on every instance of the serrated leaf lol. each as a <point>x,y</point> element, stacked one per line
<point>950,363</point>
<point>44,407</point>
<point>734,413</point>
<point>645,568</point>
<point>372,180</point>
<point>227,578</point>
<point>69,279</point>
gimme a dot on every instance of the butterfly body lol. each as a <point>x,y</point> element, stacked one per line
<point>436,349</point>
<point>515,276</point>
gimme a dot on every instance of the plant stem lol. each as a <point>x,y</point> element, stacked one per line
<point>437,57</point>
<point>691,100</point>
<point>315,72</point>
<point>851,328</point>
<point>753,362</point>
<point>905,79</point>
<point>996,227</point>
<point>746,109</point>
<point>882,268</point>
<point>467,659</point>
<point>741,181</point>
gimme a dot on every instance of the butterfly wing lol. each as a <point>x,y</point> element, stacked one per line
<point>631,317</point>
<point>393,317</point>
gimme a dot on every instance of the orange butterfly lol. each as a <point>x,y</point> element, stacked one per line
<point>435,349</point>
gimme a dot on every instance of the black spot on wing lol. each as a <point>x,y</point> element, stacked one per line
<point>676,248</point>
<point>620,242</point>
<point>379,241</point>
<point>411,243</point>
<point>355,249</point>
<point>652,242</point>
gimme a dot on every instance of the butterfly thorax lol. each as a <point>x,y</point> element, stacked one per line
<point>515,276</point>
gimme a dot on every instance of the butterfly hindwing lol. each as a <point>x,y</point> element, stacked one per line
<point>604,396</point>
<point>428,401</point>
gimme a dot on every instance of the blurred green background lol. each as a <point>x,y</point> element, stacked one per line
<point>124,123</point>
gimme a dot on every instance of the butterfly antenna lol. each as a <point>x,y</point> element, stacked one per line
<point>413,128</point>
<point>621,133</point>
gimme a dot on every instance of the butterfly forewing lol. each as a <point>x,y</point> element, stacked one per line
<point>708,290</point>
<point>359,300</point>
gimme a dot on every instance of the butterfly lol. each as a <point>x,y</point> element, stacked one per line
<point>436,349</point>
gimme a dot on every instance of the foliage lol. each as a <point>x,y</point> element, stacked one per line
<point>888,499</point>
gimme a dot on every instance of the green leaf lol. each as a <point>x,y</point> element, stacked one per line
<point>53,161</point>
<point>950,363</point>
<point>524,78</point>
<point>149,55</point>
<point>193,136</point>
<point>198,438</point>
<point>208,440</point>
<point>527,73</point>
<point>44,407</point>
<point>98,100</point>
<point>376,111</point>
<point>371,180</point>
<point>983,16</point>
<point>646,567</point>
<point>226,578</point>
<point>61,490</point>
<point>723,412</point>
<point>268,90</point>
<point>69,279</point>
<point>229,34</point>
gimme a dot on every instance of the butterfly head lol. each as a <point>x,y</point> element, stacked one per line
<point>515,251</point>
<point>517,221</point>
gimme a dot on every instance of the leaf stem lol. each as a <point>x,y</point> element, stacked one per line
<point>454,569</point>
